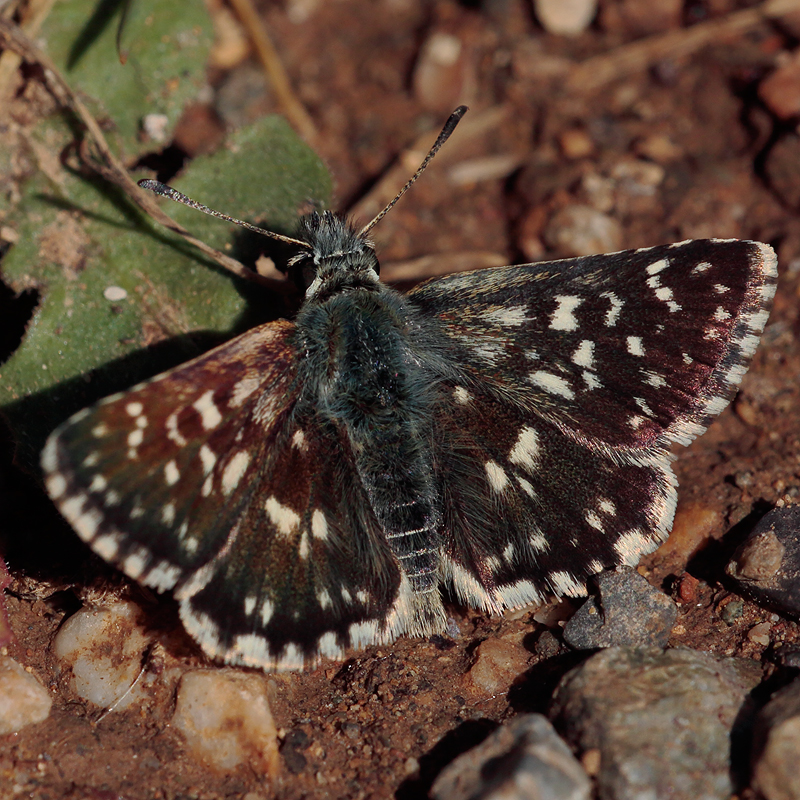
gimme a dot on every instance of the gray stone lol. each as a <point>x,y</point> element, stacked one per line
<point>766,566</point>
<point>661,721</point>
<point>629,612</point>
<point>522,760</point>
<point>776,746</point>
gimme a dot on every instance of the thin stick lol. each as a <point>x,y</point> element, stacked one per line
<point>279,80</point>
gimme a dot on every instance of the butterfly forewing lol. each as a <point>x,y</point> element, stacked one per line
<point>154,478</point>
<point>626,348</point>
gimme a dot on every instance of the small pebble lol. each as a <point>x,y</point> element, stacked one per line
<point>780,91</point>
<point>662,721</point>
<point>732,611</point>
<point>565,17</point>
<point>102,646</point>
<point>439,73</point>
<point>522,760</point>
<point>575,143</point>
<point>636,18</point>
<point>114,293</point>
<point>766,566</point>
<point>782,170</point>
<point>629,611</point>
<point>23,700</point>
<point>497,663</point>
<point>226,720</point>
<point>759,634</point>
<point>580,230</point>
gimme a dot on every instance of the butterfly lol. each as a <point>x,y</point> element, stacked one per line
<point>311,486</point>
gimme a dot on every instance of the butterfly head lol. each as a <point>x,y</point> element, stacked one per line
<point>337,258</point>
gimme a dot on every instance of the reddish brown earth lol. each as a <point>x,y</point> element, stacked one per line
<point>384,723</point>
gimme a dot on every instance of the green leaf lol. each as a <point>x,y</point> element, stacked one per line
<point>79,238</point>
<point>167,47</point>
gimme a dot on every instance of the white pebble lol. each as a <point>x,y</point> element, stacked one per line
<point>103,648</point>
<point>155,126</point>
<point>114,293</point>
<point>23,700</point>
<point>226,719</point>
<point>565,17</point>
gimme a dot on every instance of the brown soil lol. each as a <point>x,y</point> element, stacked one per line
<point>384,723</point>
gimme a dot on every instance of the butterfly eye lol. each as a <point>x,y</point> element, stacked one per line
<point>308,271</point>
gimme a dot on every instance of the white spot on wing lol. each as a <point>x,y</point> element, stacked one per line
<point>319,525</point>
<point>98,484</point>
<point>208,459</point>
<point>168,514</point>
<point>305,547</point>
<point>552,384</point>
<point>496,475</point>
<point>282,517</point>
<point>208,411</point>
<point>461,395</point>
<point>563,318</point>
<point>607,507</point>
<point>234,470</point>
<point>612,315</point>
<point>172,430</point>
<point>635,345</point>
<point>267,610</point>
<point>134,408</point>
<point>584,355</point>
<point>720,315</point>
<point>594,521</point>
<point>525,451</point>
<point>243,389</point>
<point>526,486</point>
<point>171,473</point>
<point>657,266</point>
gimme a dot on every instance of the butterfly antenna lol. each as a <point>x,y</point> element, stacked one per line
<point>447,130</point>
<point>179,197</point>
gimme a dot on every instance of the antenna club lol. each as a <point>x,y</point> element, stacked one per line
<point>443,136</point>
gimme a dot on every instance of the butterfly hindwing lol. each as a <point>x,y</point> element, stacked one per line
<point>307,572</point>
<point>531,511</point>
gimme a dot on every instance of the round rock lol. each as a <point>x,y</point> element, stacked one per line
<point>661,721</point>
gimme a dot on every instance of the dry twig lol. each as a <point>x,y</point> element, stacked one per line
<point>641,55</point>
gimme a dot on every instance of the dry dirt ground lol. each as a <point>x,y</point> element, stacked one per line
<point>690,150</point>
